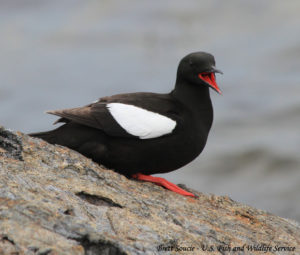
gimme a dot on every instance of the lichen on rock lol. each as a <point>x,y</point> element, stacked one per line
<point>55,201</point>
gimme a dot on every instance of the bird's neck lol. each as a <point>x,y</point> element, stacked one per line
<point>194,96</point>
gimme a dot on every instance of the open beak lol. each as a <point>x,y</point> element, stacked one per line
<point>210,79</point>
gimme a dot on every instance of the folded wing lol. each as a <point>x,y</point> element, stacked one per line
<point>117,116</point>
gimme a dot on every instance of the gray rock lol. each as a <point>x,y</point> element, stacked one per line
<point>55,201</point>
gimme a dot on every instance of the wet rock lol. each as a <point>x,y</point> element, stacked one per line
<point>55,201</point>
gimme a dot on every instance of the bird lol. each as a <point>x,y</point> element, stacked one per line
<point>141,134</point>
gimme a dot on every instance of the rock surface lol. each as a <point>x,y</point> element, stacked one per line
<point>55,201</point>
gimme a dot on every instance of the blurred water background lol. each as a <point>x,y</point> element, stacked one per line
<point>59,54</point>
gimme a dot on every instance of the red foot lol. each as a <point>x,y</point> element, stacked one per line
<point>162,182</point>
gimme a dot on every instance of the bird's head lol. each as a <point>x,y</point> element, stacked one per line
<point>199,68</point>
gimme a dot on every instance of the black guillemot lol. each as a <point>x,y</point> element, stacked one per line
<point>140,134</point>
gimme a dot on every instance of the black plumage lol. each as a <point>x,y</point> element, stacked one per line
<point>95,133</point>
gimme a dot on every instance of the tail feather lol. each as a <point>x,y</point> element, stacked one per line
<point>48,136</point>
<point>71,135</point>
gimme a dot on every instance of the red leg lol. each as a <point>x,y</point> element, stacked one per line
<point>162,182</point>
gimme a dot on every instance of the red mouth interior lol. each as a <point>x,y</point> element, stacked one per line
<point>211,80</point>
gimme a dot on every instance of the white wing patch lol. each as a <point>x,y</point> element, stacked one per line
<point>140,122</point>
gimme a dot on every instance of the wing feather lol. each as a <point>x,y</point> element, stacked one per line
<point>98,115</point>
